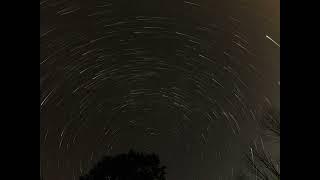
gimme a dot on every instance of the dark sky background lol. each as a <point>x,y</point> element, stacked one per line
<point>183,79</point>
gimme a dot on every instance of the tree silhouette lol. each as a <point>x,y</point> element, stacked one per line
<point>259,161</point>
<point>262,165</point>
<point>270,123</point>
<point>130,166</point>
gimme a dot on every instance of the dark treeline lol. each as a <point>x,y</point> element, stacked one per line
<point>127,166</point>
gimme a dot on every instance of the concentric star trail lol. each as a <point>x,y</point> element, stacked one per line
<point>184,79</point>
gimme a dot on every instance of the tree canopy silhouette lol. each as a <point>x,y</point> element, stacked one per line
<point>129,166</point>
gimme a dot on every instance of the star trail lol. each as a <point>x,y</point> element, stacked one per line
<point>185,79</point>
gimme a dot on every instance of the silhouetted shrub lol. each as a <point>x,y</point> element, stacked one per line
<point>130,166</point>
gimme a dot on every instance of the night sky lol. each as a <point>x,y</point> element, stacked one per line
<point>184,79</point>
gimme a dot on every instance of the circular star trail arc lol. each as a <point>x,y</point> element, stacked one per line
<point>166,77</point>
